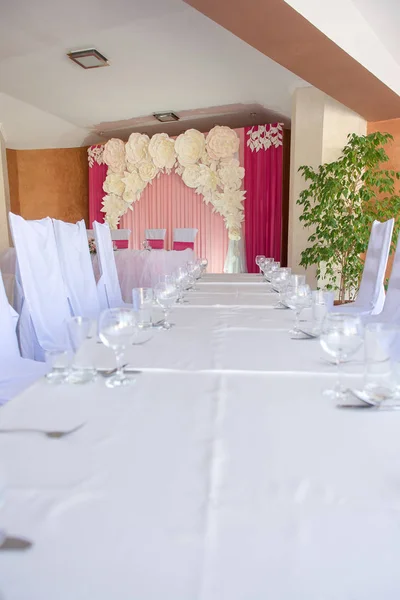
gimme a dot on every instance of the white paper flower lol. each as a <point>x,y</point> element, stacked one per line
<point>189,147</point>
<point>137,148</point>
<point>114,207</point>
<point>134,184</point>
<point>222,142</point>
<point>130,197</point>
<point>147,171</point>
<point>114,155</point>
<point>235,233</point>
<point>231,174</point>
<point>162,151</point>
<point>233,199</point>
<point>113,184</point>
<point>190,176</point>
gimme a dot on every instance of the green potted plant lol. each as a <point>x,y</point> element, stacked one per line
<point>342,200</point>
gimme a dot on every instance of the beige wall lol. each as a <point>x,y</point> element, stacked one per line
<point>4,197</point>
<point>320,126</point>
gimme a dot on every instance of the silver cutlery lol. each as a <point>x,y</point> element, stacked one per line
<point>14,543</point>
<point>109,372</point>
<point>310,334</point>
<point>366,400</point>
<point>50,434</point>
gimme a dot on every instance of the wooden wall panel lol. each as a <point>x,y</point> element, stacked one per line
<point>49,183</point>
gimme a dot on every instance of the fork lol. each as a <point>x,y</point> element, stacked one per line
<point>56,435</point>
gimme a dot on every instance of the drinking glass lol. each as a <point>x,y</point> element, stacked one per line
<point>166,296</point>
<point>297,298</point>
<point>82,369</point>
<point>142,300</point>
<point>259,260</point>
<point>295,280</point>
<point>118,329</point>
<point>269,267</point>
<point>204,265</point>
<point>58,362</point>
<point>341,337</point>
<point>381,346</point>
<point>181,279</point>
<point>280,278</point>
<point>322,303</point>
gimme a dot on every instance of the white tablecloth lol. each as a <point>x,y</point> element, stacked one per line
<point>222,474</point>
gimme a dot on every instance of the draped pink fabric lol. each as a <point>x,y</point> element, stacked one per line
<point>156,244</point>
<point>263,204</point>
<point>97,175</point>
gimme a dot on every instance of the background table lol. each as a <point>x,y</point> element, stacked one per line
<point>223,474</point>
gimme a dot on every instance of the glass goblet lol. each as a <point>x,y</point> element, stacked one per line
<point>297,298</point>
<point>181,280</point>
<point>166,296</point>
<point>341,337</point>
<point>118,330</point>
<point>259,260</point>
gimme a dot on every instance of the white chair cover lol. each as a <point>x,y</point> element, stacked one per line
<point>371,296</point>
<point>185,234</point>
<point>391,308</point>
<point>155,234</point>
<point>108,284</point>
<point>76,268</point>
<point>16,373</point>
<point>44,308</point>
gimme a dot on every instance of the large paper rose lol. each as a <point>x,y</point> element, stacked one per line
<point>113,184</point>
<point>190,176</point>
<point>147,171</point>
<point>133,183</point>
<point>207,179</point>
<point>137,148</point>
<point>231,174</point>
<point>162,151</point>
<point>114,155</point>
<point>222,142</point>
<point>189,147</point>
<point>113,207</point>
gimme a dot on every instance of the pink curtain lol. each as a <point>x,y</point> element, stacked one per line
<point>168,203</point>
<point>263,204</point>
<point>97,175</point>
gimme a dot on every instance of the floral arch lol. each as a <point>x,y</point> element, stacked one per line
<point>206,164</point>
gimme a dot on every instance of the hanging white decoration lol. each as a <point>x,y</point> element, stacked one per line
<point>262,137</point>
<point>208,165</point>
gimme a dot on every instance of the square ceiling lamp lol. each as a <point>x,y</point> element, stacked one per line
<point>88,59</point>
<point>166,117</point>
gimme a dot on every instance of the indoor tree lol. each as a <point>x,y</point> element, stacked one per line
<point>342,200</point>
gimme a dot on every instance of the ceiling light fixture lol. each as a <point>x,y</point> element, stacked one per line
<point>166,117</point>
<point>88,59</point>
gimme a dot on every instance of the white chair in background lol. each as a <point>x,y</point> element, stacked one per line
<point>43,305</point>
<point>391,308</point>
<point>184,238</point>
<point>156,238</point>
<point>76,268</point>
<point>120,237</point>
<point>108,285</point>
<point>371,296</point>
<point>16,373</point>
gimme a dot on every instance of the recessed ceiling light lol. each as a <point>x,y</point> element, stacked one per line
<point>166,117</point>
<point>88,59</point>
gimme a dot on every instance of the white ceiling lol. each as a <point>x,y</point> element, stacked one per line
<point>164,55</point>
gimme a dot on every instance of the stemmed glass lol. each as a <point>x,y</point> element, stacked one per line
<point>297,298</point>
<point>268,267</point>
<point>279,282</point>
<point>166,295</point>
<point>118,329</point>
<point>259,260</point>
<point>341,337</point>
<point>181,280</point>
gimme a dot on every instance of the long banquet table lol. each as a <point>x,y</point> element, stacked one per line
<point>223,474</point>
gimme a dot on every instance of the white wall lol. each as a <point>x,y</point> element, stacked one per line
<point>320,126</point>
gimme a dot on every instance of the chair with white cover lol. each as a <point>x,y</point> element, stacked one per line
<point>43,306</point>
<point>371,296</point>
<point>16,373</point>
<point>156,238</point>
<point>108,285</point>
<point>391,308</point>
<point>184,238</point>
<point>76,268</point>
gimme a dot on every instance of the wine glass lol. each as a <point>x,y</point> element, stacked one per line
<point>279,282</point>
<point>295,280</point>
<point>269,267</point>
<point>297,298</point>
<point>341,337</point>
<point>181,280</point>
<point>259,260</point>
<point>322,303</point>
<point>118,329</point>
<point>166,296</point>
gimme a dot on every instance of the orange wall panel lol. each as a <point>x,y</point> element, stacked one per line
<point>49,183</point>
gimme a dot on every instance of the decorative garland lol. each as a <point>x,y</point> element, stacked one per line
<point>262,137</point>
<point>206,164</point>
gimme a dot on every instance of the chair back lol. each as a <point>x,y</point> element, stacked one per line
<point>76,268</point>
<point>44,304</point>
<point>184,238</point>
<point>108,285</point>
<point>372,292</point>
<point>8,338</point>
<point>155,238</point>
<point>391,308</point>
